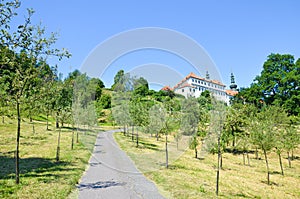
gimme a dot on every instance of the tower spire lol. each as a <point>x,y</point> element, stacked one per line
<point>233,85</point>
<point>207,75</point>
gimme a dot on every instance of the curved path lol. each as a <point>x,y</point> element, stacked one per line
<point>113,175</point>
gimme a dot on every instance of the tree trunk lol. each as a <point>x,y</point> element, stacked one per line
<point>124,130</point>
<point>2,119</point>
<point>137,138</point>
<point>57,123</point>
<point>248,158</point>
<point>132,132</point>
<point>289,159</point>
<point>280,162</point>
<point>244,161</point>
<point>293,154</point>
<point>267,164</point>
<point>18,144</point>
<point>196,152</point>
<point>72,144</point>
<point>233,140</point>
<point>77,140</point>
<point>256,153</point>
<point>33,130</point>
<point>167,155</point>
<point>221,162</point>
<point>47,128</point>
<point>58,146</point>
<point>218,167</point>
<point>156,136</point>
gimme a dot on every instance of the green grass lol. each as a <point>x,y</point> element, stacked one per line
<point>40,175</point>
<point>188,177</point>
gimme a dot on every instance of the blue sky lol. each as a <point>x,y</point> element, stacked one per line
<point>238,35</point>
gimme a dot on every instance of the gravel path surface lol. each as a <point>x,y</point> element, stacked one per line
<point>113,175</point>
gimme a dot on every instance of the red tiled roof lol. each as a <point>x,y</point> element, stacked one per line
<point>231,92</point>
<point>166,88</point>
<point>193,75</point>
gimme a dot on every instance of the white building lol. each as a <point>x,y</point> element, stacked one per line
<point>193,85</point>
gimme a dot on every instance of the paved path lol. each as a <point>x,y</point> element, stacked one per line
<point>112,174</point>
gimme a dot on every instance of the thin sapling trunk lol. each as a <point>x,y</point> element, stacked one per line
<point>267,164</point>
<point>289,159</point>
<point>47,128</point>
<point>17,163</point>
<point>167,155</point>
<point>280,162</point>
<point>33,130</point>
<point>137,138</point>
<point>58,146</point>
<point>248,158</point>
<point>72,144</point>
<point>132,133</point>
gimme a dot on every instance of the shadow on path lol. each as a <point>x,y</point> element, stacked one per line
<point>100,185</point>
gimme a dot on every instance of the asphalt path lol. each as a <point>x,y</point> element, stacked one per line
<point>113,175</point>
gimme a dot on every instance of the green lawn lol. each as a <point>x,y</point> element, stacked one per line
<point>41,176</point>
<point>188,177</point>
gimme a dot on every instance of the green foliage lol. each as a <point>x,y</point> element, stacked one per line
<point>105,101</point>
<point>278,84</point>
<point>190,116</point>
<point>118,79</point>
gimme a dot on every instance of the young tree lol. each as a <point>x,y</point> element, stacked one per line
<point>264,131</point>
<point>194,144</point>
<point>156,119</point>
<point>189,121</point>
<point>290,140</point>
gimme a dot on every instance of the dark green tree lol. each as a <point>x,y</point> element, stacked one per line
<point>118,79</point>
<point>278,84</point>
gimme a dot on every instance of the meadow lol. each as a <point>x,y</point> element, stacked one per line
<point>188,177</point>
<point>41,176</point>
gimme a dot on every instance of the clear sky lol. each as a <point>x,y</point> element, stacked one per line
<point>238,35</point>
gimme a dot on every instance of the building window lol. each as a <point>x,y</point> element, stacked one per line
<point>183,90</point>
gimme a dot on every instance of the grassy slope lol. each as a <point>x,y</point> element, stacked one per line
<point>41,176</point>
<point>188,177</point>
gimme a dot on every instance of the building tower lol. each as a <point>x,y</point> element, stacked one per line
<point>233,85</point>
<point>207,75</point>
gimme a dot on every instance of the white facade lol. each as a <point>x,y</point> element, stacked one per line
<point>193,86</point>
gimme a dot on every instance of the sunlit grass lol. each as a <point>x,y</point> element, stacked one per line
<point>41,176</point>
<point>189,177</point>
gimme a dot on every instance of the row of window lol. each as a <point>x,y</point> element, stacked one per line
<point>207,83</point>
<point>209,89</point>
